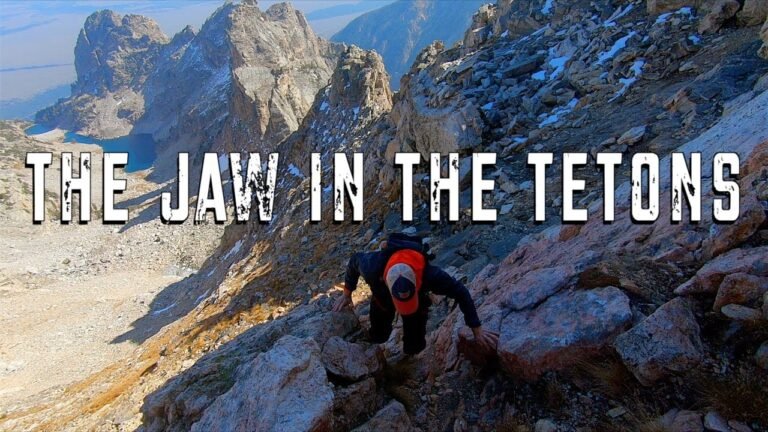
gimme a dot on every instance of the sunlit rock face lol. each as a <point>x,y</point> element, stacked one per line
<point>243,82</point>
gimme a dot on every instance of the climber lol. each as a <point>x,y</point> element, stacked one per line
<point>400,278</point>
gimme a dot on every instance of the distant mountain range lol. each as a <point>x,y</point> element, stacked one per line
<point>400,30</point>
<point>26,108</point>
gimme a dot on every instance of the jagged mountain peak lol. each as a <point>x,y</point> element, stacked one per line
<point>358,94</point>
<point>360,80</point>
<point>243,82</point>
<point>115,51</point>
<point>282,11</point>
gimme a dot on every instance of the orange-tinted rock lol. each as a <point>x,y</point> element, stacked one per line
<point>564,329</point>
<point>708,279</point>
<point>727,236</point>
<point>476,354</point>
<point>742,289</point>
<point>667,341</point>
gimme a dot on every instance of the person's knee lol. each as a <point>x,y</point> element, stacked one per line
<point>412,347</point>
<point>380,330</point>
<point>379,335</point>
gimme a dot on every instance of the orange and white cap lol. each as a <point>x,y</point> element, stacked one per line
<point>403,278</point>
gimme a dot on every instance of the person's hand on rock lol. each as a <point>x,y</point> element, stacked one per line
<point>344,301</point>
<point>485,339</point>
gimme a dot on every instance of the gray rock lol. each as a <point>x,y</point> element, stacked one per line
<point>523,66</point>
<point>391,418</point>
<point>501,248</point>
<point>737,426</point>
<point>354,404</point>
<point>535,287</point>
<point>721,11</point>
<point>632,136</point>
<point>562,330</point>
<point>713,421</point>
<point>687,421</point>
<point>545,425</point>
<point>283,389</point>
<point>349,360</point>
<point>741,313</point>
<point>666,342</point>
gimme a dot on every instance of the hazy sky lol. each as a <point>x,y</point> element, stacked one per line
<point>37,37</point>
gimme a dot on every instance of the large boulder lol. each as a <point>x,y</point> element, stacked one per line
<point>753,13</point>
<point>183,399</point>
<point>724,237</point>
<point>283,389</point>
<point>391,418</point>
<point>354,404</point>
<point>536,286</point>
<point>742,289</point>
<point>720,12</point>
<point>708,279</point>
<point>349,360</point>
<point>667,341</point>
<point>562,330</point>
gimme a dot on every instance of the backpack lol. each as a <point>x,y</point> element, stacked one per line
<point>399,241</point>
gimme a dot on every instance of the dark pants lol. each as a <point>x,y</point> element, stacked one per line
<point>414,326</point>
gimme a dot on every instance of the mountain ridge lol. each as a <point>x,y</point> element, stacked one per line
<point>400,30</point>
<point>198,93</point>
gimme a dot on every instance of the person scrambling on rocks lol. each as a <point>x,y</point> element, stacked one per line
<point>400,278</point>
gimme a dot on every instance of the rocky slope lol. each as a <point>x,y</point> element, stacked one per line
<point>78,297</point>
<point>615,326</point>
<point>400,30</point>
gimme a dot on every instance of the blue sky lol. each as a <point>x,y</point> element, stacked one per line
<point>37,37</point>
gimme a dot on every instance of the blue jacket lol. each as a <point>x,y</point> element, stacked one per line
<point>371,265</point>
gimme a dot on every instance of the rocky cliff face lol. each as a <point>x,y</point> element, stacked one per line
<point>248,76</point>
<point>114,56</point>
<point>343,112</point>
<point>400,30</point>
<point>114,52</point>
<point>616,326</point>
<point>278,65</point>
